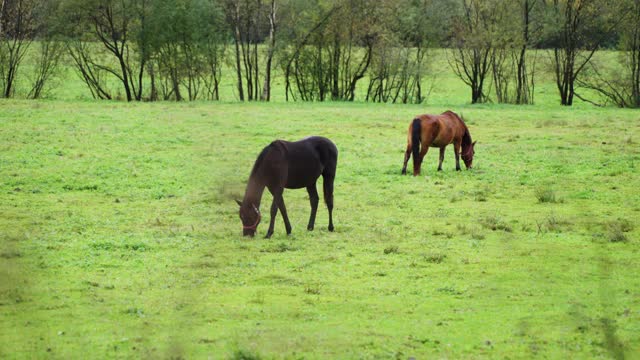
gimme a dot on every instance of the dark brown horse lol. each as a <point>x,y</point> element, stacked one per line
<point>438,131</point>
<point>291,165</point>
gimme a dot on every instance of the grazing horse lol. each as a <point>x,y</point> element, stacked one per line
<point>291,165</point>
<point>438,131</point>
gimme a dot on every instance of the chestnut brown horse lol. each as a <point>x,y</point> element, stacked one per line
<point>292,165</point>
<point>438,131</point>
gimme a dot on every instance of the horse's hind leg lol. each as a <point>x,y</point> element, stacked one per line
<point>417,165</point>
<point>407,155</point>
<point>441,158</point>
<point>327,184</point>
<point>313,198</point>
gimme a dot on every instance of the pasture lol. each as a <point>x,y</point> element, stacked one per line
<point>120,236</point>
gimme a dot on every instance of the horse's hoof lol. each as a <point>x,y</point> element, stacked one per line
<point>268,236</point>
<point>310,228</point>
<point>331,228</point>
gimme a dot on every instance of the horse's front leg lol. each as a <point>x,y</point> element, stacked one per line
<point>456,150</point>
<point>283,211</point>
<point>272,221</point>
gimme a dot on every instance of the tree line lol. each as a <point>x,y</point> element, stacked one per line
<point>176,49</point>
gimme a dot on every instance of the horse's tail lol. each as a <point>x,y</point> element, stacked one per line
<point>415,143</point>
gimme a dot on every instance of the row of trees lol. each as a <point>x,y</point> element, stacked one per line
<point>176,49</point>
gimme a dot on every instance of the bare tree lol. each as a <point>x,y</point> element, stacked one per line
<point>49,49</point>
<point>233,9</point>
<point>410,28</point>
<point>333,57</point>
<point>112,20</point>
<point>513,68</point>
<point>17,28</point>
<point>524,80</point>
<point>396,75</point>
<point>50,53</point>
<point>579,28</point>
<point>622,88</point>
<point>243,17</point>
<point>472,52</point>
<point>329,60</point>
<point>89,70</point>
<point>113,24</point>
<point>186,57</point>
<point>303,62</point>
<point>214,55</point>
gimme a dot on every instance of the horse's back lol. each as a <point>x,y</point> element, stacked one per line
<point>440,130</point>
<point>325,148</point>
<point>308,159</point>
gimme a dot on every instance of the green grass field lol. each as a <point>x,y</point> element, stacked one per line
<point>120,236</point>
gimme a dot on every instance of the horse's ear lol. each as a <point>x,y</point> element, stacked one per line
<point>239,202</point>
<point>474,143</point>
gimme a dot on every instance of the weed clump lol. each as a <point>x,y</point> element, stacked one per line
<point>475,232</point>
<point>616,235</point>
<point>279,248</point>
<point>391,250</point>
<point>552,224</point>
<point>450,290</point>
<point>244,354</point>
<point>434,258</point>
<point>481,195</point>
<point>495,223</point>
<point>312,289</point>
<point>616,230</point>
<point>546,195</point>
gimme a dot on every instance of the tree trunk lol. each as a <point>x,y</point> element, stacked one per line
<point>266,90</point>
<point>153,96</point>
<point>335,69</point>
<point>125,74</point>
<point>236,38</point>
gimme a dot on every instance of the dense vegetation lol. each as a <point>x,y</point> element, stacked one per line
<point>323,49</point>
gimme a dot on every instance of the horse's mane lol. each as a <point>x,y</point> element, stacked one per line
<point>259,160</point>
<point>466,138</point>
<point>274,146</point>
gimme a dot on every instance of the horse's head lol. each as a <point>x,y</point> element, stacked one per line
<point>250,217</point>
<point>467,155</point>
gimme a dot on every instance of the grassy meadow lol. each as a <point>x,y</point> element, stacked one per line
<point>119,236</point>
